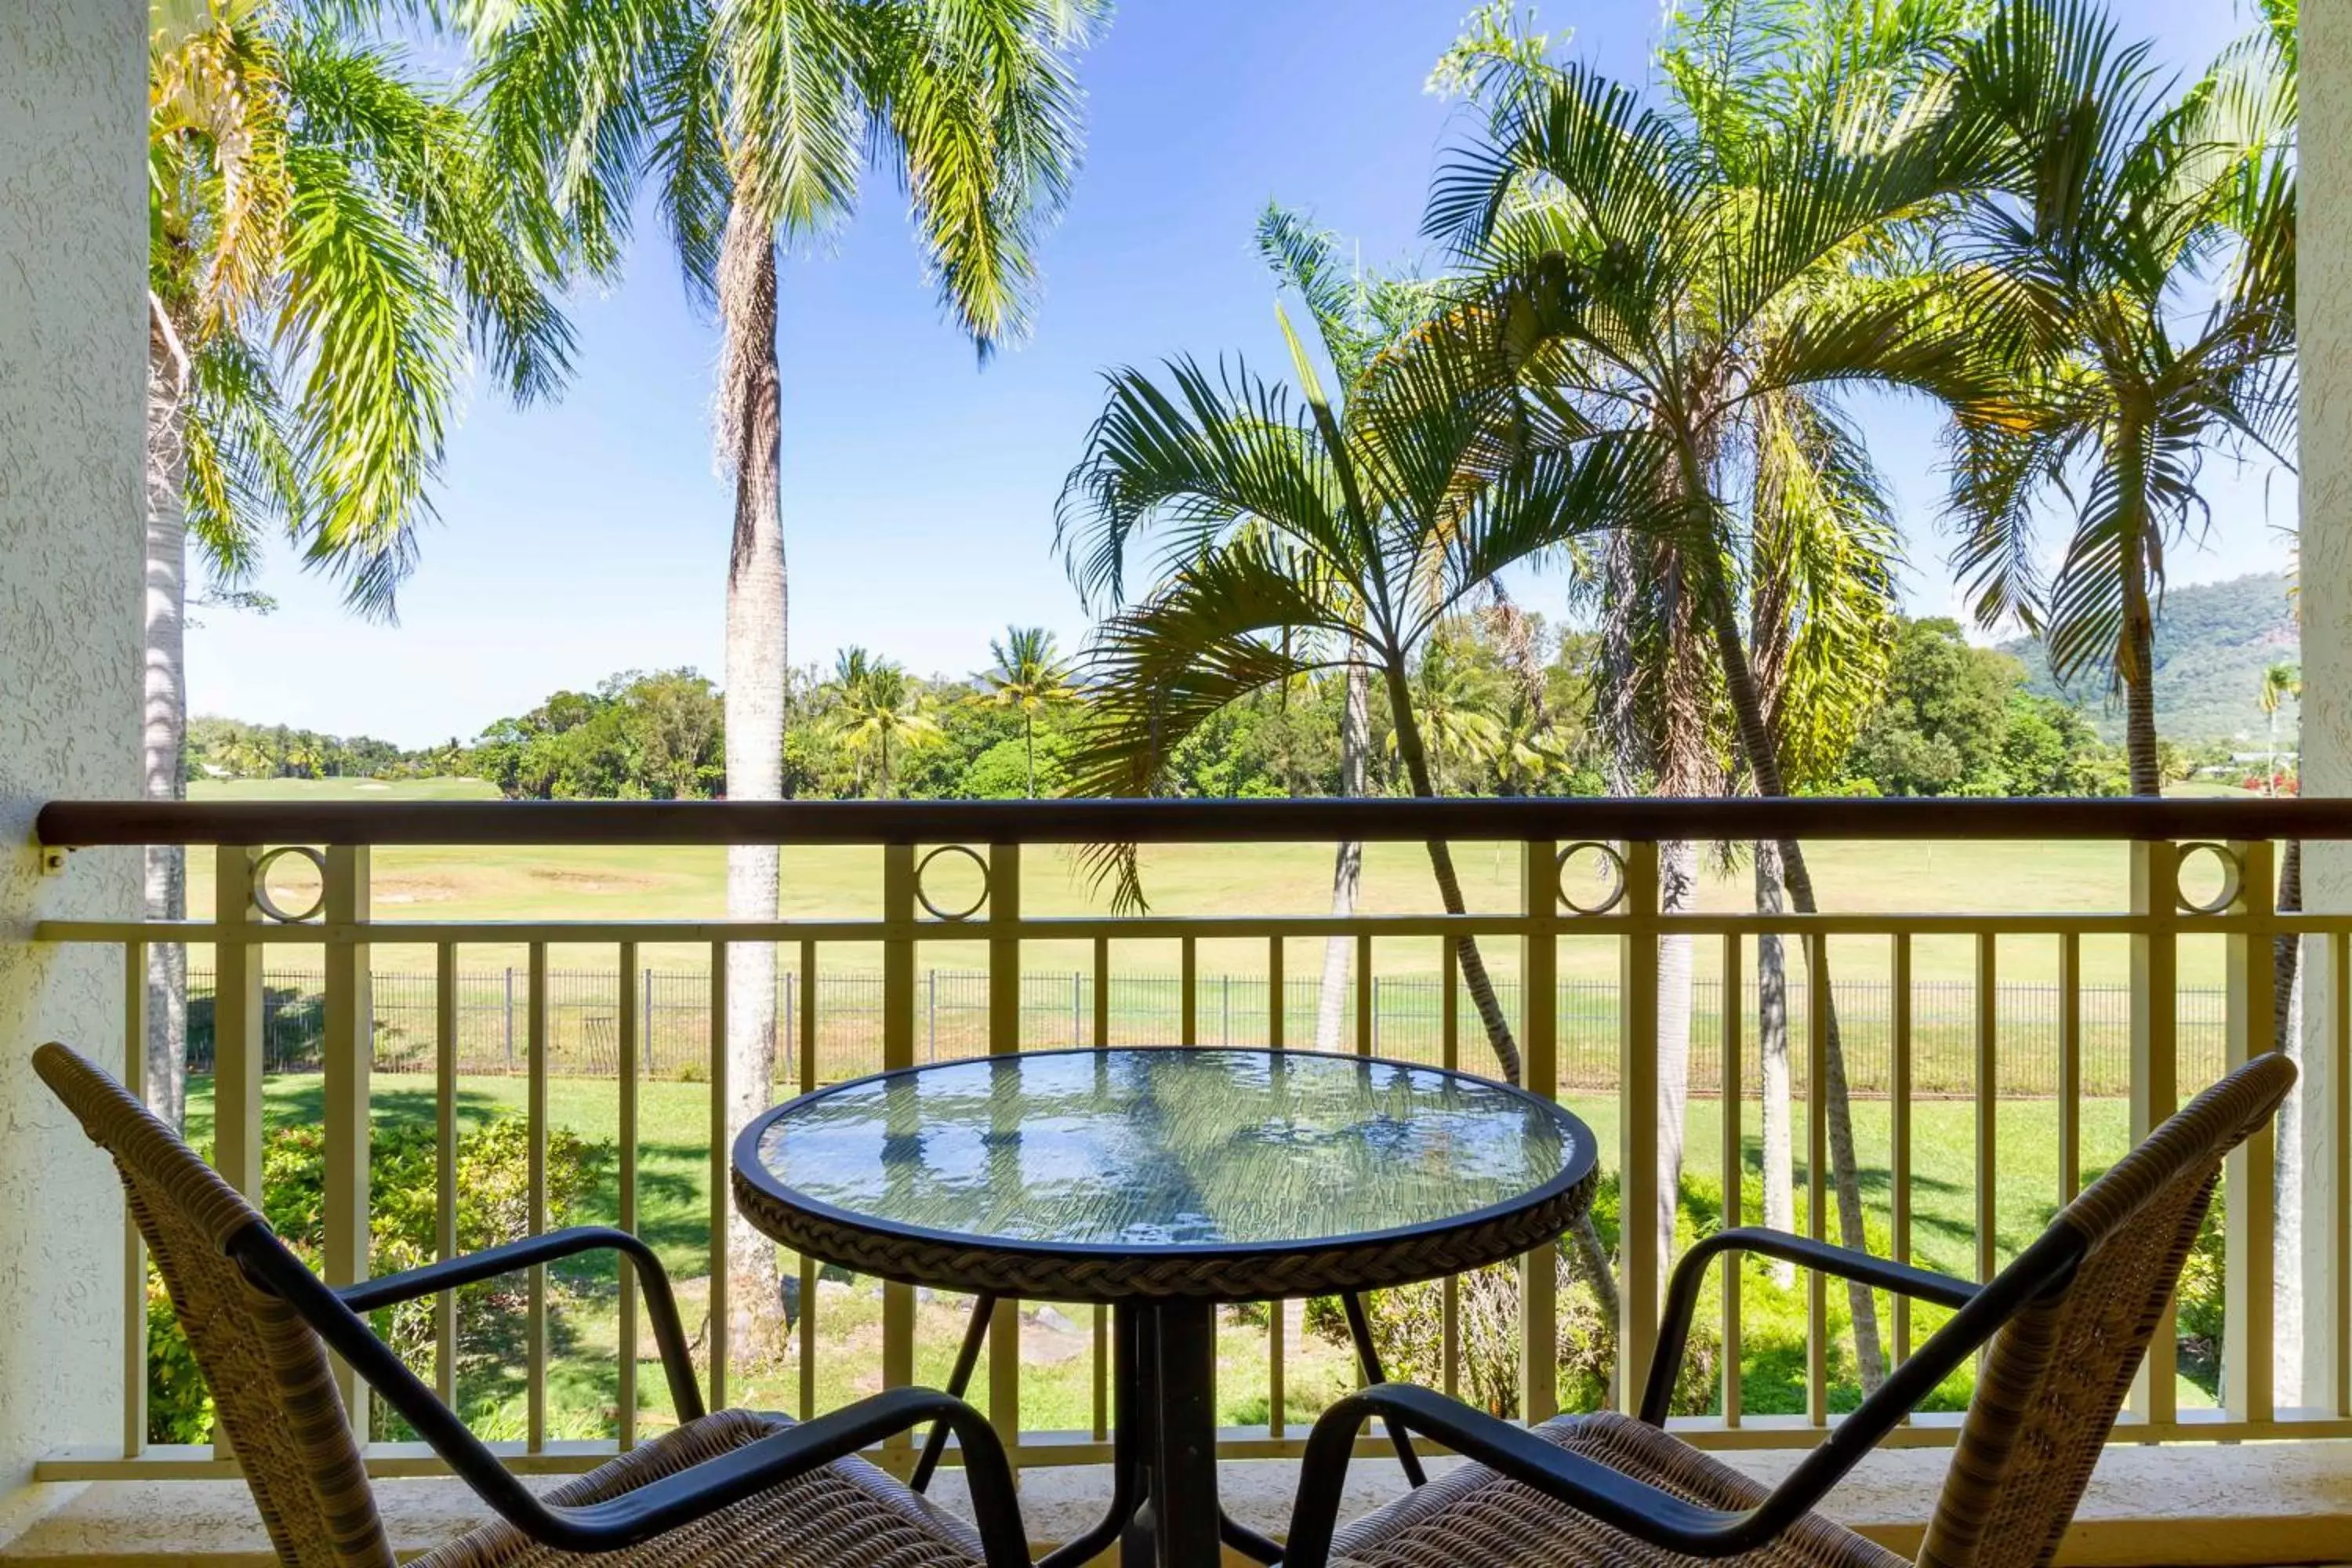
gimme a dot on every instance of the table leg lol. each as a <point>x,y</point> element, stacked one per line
<point>1184,1436</point>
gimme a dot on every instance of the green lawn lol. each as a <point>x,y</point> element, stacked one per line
<point>1057,1390</point>
<point>673,883</point>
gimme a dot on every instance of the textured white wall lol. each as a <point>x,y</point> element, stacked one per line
<point>2324,329</point>
<point>72,379</point>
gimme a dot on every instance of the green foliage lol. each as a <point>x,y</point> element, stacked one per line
<point>1957,720</point>
<point>228,748</point>
<point>493,1207</point>
<point>636,736</point>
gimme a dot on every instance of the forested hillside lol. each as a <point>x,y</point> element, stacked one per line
<point>2213,642</point>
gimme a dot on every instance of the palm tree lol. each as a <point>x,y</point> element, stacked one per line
<point>748,123</point>
<point>1295,534</point>
<point>1030,677</point>
<point>1353,316</point>
<point>1707,280</point>
<point>880,707</point>
<point>326,241</point>
<point>2149,241</point>
<point>2281,682</point>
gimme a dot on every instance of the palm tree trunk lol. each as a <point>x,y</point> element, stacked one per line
<point>1772,1053</point>
<point>757,672</point>
<point>163,726</point>
<point>1348,864</point>
<point>1764,767</point>
<point>2138,664</point>
<point>1586,1238</point>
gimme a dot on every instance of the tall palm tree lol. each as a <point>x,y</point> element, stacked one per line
<point>879,708</point>
<point>1352,317</point>
<point>748,124</point>
<point>2148,239</point>
<point>327,240</point>
<point>2281,683</point>
<point>1708,278</point>
<point>1028,676</point>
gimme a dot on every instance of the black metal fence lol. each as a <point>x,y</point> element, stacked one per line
<point>492,1012</point>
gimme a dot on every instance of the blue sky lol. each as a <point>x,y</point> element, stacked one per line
<point>591,536</point>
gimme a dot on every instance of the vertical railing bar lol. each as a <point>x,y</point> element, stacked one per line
<point>2154,1075</point>
<point>1817,1159</point>
<point>1188,1014</point>
<point>1988,1041</point>
<point>1102,992</point>
<point>1450,1057</point>
<point>2249,1237</point>
<point>899,946</point>
<point>1449,1040</point>
<point>535,1121</point>
<point>2070,1065</point>
<point>716,1330</point>
<point>1642,1262</point>
<point>1899,1152</point>
<point>1366,994</point>
<point>626,1037</point>
<point>1730,1091</point>
<point>1102,1372</point>
<point>806,1051</point>
<point>1277,1033</point>
<point>134,1246</point>
<point>1277,1310</point>
<point>1004,1039</point>
<point>445,1155</point>
<point>2339,1070</point>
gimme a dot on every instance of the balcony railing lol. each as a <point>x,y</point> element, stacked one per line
<point>1931,1027</point>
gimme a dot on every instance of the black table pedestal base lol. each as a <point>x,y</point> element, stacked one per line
<point>1164,1511</point>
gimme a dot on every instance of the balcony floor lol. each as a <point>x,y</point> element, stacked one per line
<point>2244,1506</point>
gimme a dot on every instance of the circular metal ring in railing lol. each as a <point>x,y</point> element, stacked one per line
<point>925,898</point>
<point>2234,878</point>
<point>1609,856</point>
<point>269,905</point>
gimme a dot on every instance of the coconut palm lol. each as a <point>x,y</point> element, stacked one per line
<point>1029,677</point>
<point>1708,278</point>
<point>747,124</point>
<point>879,707</point>
<point>2149,239</point>
<point>327,240</point>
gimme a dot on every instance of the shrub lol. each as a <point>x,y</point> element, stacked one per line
<point>493,1207</point>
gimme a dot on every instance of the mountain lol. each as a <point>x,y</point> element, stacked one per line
<point>2213,641</point>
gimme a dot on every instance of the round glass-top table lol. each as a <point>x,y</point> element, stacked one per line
<point>1163,1180</point>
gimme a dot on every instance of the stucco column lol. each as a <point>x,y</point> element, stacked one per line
<point>73,238</point>
<point>2324,329</point>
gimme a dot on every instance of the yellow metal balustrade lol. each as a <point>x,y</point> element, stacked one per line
<point>248,923</point>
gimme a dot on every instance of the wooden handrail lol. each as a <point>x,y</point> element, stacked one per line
<point>84,823</point>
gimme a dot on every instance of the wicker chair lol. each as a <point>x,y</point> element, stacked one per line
<point>2068,1323</point>
<point>727,1489</point>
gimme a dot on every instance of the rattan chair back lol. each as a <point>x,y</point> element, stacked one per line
<point>276,1401</point>
<point>2060,1370</point>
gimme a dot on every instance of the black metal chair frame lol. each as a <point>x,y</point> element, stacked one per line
<point>1640,1510</point>
<point>660,1505</point>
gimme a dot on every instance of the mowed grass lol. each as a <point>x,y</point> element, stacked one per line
<point>1057,1382</point>
<point>642,883</point>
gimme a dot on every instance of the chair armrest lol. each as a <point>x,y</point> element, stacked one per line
<point>1635,1506</point>
<point>703,1489</point>
<point>1690,1274</point>
<point>661,1304</point>
<point>661,1505</point>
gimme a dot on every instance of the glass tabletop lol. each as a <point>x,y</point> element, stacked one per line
<point>1168,1148</point>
